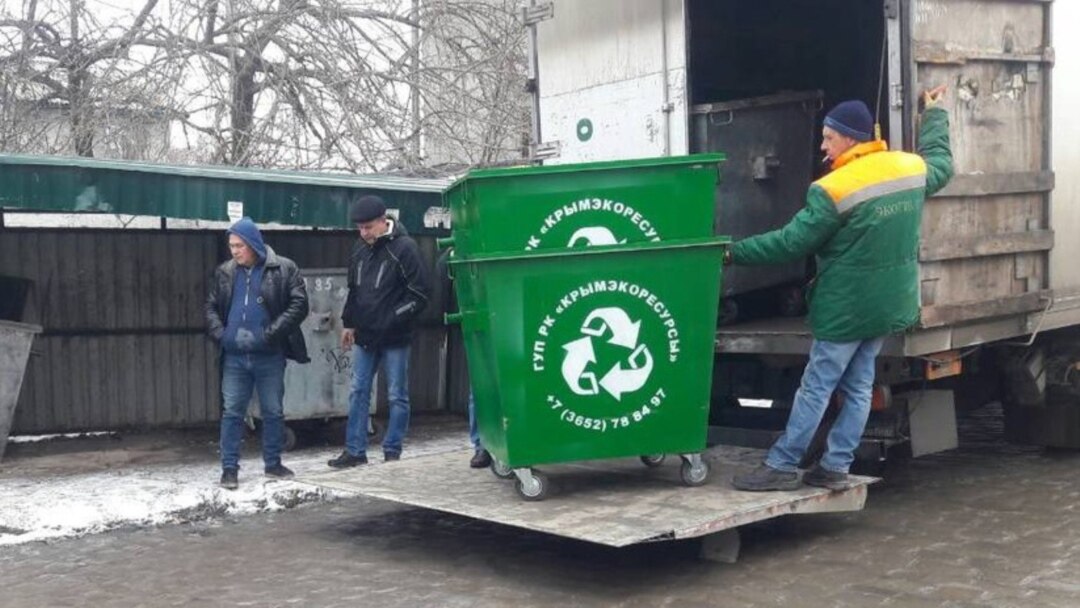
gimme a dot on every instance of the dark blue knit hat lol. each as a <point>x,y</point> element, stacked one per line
<point>851,118</point>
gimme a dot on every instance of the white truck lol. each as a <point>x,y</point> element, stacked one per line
<point>1000,287</point>
<point>617,79</point>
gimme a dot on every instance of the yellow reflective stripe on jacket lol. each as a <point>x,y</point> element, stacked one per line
<point>880,189</point>
<point>871,176</point>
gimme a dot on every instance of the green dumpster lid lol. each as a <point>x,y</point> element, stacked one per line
<point>637,163</point>
<point>504,256</point>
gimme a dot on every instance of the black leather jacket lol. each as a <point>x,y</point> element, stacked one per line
<point>283,294</point>
<point>388,287</point>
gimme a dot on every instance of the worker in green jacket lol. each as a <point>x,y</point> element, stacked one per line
<point>862,222</point>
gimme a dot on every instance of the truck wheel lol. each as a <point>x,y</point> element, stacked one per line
<point>1018,427</point>
<point>500,470</point>
<point>290,439</point>
<point>694,476</point>
<point>375,429</point>
<point>653,460</point>
<point>536,489</point>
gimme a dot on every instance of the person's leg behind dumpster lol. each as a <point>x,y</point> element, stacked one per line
<point>396,367</point>
<point>269,372</point>
<point>365,362</point>
<point>237,385</point>
<point>828,362</point>
<point>856,386</point>
<point>481,458</point>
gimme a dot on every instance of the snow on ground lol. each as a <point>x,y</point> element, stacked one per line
<point>35,508</point>
<point>39,438</point>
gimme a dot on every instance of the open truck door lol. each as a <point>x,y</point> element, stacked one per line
<point>986,238</point>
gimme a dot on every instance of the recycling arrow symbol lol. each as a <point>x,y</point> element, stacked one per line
<point>579,354</point>
<point>620,379</point>
<point>593,236</point>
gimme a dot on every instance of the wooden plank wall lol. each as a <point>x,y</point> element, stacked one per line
<point>124,342</point>
<point>986,238</point>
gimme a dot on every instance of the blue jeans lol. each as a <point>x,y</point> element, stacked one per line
<point>474,432</point>
<point>395,363</point>
<point>844,366</point>
<point>242,375</point>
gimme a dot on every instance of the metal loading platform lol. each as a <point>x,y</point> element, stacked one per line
<point>617,503</point>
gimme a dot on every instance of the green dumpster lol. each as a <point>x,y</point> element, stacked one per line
<point>588,299</point>
<point>591,204</point>
<point>595,353</point>
<point>598,353</point>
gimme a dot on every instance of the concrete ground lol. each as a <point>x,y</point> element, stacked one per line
<point>986,525</point>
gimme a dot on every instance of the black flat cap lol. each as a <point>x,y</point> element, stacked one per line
<point>366,208</point>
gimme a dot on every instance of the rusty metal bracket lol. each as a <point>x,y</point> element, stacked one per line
<point>532,15</point>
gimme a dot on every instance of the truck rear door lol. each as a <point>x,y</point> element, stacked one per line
<point>986,238</point>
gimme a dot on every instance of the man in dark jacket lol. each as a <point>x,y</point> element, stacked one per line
<point>253,310</point>
<point>388,287</point>
<point>862,222</point>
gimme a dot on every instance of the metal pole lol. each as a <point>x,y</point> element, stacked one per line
<point>534,83</point>
<point>666,106</point>
<point>414,94</point>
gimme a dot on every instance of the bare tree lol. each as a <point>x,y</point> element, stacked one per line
<point>61,58</point>
<point>342,85</point>
<point>473,84</point>
<point>354,85</point>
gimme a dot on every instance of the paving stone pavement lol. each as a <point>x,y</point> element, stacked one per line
<point>989,525</point>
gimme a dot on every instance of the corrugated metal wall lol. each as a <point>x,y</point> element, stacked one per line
<point>124,341</point>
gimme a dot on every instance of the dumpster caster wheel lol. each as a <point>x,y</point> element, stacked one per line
<point>653,460</point>
<point>374,429</point>
<point>500,470</point>
<point>694,471</point>
<point>533,486</point>
<point>290,439</point>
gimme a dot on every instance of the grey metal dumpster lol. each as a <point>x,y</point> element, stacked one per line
<point>319,390</point>
<point>769,145</point>
<point>15,341</point>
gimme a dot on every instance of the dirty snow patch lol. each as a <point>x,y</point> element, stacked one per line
<point>50,507</point>
<point>38,438</point>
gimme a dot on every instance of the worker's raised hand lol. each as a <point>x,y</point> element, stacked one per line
<point>934,96</point>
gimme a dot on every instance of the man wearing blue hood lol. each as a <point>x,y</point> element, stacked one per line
<point>253,310</point>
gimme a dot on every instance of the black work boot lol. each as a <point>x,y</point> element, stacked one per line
<point>391,456</point>
<point>279,471</point>
<point>766,479</point>
<point>480,460</point>
<point>824,478</point>
<point>346,460</point>
<point>229,479</point>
